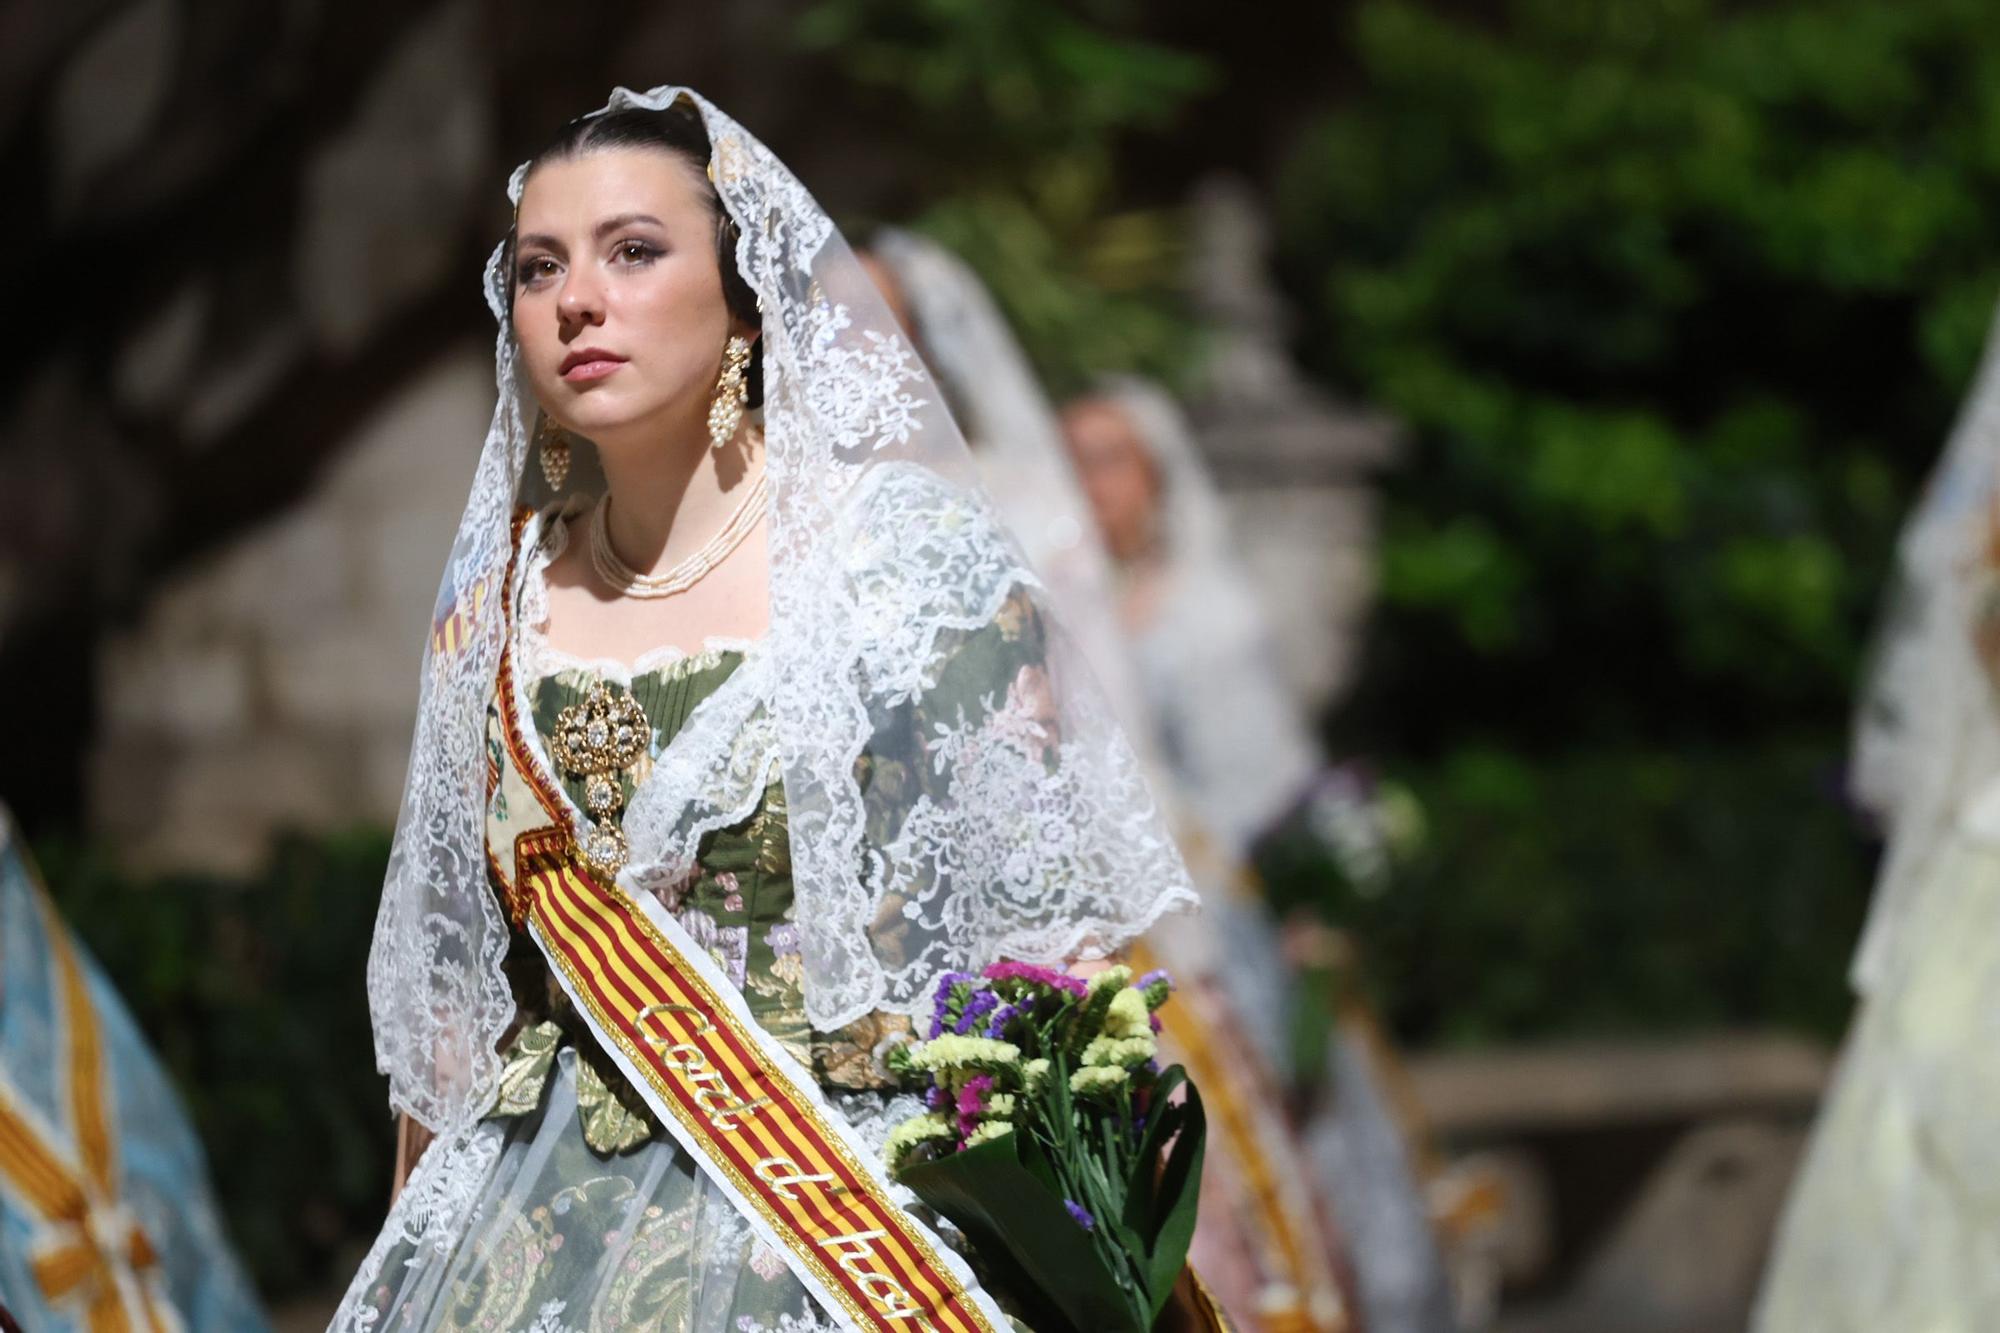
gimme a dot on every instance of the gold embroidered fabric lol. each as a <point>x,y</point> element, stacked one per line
<point>614,1119</point>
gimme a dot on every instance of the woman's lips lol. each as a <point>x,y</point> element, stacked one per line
<point>595,369</point>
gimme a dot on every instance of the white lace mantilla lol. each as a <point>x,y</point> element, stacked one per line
<point>932,828</point>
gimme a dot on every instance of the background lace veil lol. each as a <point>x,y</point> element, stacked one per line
<point>1026,830</point>
<point>1242,763</point>
<point>1023,464</point>
<point>1927,733</point>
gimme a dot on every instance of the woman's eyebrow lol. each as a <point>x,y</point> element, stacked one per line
<point>625,220</point>
<point>601,230</point>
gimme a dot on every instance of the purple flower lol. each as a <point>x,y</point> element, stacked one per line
<point>1080,1215</point>
<point>981,1004</point>
<point>942,1007</point>
<point>1158,974</point>
<point>996,1026</point>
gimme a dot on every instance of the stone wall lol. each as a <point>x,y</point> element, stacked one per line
<point>273,683</point>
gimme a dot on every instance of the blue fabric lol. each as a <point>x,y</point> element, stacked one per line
<point>163,1174</point>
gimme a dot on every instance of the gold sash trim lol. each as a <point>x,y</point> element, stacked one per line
<point>91,1250</point>
<point>1244,1113</point>
<point>722,1086</point>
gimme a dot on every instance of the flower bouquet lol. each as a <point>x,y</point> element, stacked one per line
<point>1053,1140</point>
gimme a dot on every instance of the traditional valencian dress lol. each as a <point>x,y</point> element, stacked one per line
<point>106,1220</point>
<point>1237,772</point>
<point>650,929</point>
<point>1894,1221</point>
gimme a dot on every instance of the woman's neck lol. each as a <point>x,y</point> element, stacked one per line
<point>670,496</point>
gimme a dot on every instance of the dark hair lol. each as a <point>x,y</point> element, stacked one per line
<point>676,129</point>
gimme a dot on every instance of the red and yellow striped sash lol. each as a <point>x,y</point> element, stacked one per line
<point>1245,1113</point>
<point>90,1250</point>
<point>736,1107</point>
<point>729,1095</point>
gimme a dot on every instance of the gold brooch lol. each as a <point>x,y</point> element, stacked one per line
<point>595,738</point>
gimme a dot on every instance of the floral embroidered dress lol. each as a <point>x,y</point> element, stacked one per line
<point>591,1216</point>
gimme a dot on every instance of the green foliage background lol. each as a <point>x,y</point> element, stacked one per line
<point>1677,299</point>
<point>1016,114</point>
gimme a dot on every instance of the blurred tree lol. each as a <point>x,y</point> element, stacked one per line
<point>1018,109</point>
<point>1678,297</point>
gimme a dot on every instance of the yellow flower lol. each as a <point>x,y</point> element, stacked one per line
<point>987,1132</point>
<point>1116,975</point>
<point>1095,1079</point>
<point>925,1128</point>
<point>952,1051</point>
<point>1128,1015</point>
<point>1124,1052</point>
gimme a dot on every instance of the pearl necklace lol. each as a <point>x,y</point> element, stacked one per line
<point>631,583</point>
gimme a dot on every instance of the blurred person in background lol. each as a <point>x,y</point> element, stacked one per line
<point>1894,1221</point>
<point>106,1217</point>
<point>790,612</point>
<point>1270,1255</point>
<point>1241,760</point>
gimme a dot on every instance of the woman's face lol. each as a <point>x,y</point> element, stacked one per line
<point>618,301</point>
<point>1117,473</point>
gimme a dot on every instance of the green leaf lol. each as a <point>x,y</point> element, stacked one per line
<point>1024,1233</point>
<point>1179,1198</point>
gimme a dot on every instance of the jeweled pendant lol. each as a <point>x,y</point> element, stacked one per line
<point>604,849</point>
<point>601,795</point>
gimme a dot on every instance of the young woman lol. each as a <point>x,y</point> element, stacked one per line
<point>1197,634</point>
<point>714,774</point>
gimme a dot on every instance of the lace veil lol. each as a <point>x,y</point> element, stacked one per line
<point>1234,735</point>
<point>939,819</point>
<point>1017,442</point>
<point>1927,733</point>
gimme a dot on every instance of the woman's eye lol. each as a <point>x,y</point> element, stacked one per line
<point>539,267</point>
<point>636,252</point>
